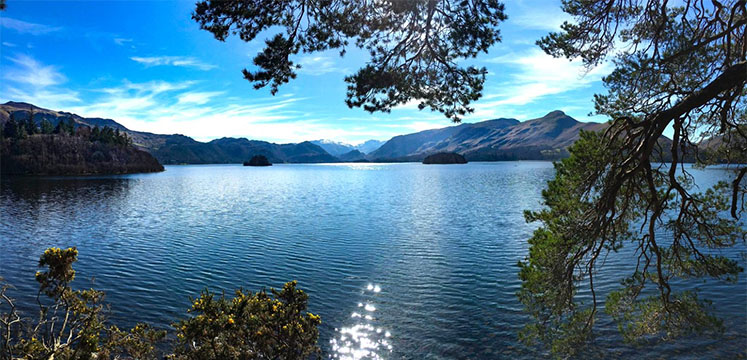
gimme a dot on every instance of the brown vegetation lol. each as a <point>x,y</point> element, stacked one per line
<point>63,154</point>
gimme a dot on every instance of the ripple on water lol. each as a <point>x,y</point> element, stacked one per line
<point>426,254</point>
<point>365,337</point>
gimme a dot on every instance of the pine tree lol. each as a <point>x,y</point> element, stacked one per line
<point>95,134</point>
<point>417,48</point>
<point>681,67</point>
<point>46,127</point>
<point>11,128</point>
<point>71,126</point>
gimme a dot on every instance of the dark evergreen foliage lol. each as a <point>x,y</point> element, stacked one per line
<point>46,127</point>
<point>678,66</point>
<point>60,153</point>
<point>258,160</point>
<point>65,126</point>
<point>415,46</point>
<point>108,135</point>
<point>445,158</point>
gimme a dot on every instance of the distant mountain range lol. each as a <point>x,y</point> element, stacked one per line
<point>545,138</point>
<point>500,139</point>
<point>335,148</point>
<point>180,149</point>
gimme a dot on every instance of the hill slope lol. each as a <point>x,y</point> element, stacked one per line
<point>501,139</point>
<point>180,149</point>
<point>545,138</point>
<point>61,154</point>
<point>338,148</point>
<point>369,146</point>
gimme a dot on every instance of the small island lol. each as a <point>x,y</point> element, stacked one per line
<point>258,160</point>
<point>444,158</point>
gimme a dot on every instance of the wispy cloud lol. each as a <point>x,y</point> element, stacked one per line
<point>131,100</point>
<point>196,109</point>
<point>316,65</point>
<point>27,27</point>
<point>31,72</point>
<point>536,76</point>
<point>29,80</point>
<point>122,41</point>
<point>183,61</point>
<point>167,107</point>
<point>542,15</point>
<point>9,44</point>
<point>548,18</point>
<point>52,99</point>
<point>198,97</point>
<point>179,107</point>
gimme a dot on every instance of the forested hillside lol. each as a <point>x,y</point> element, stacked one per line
<point>30,149</point>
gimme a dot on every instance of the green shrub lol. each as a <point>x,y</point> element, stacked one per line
<point>72,324</point>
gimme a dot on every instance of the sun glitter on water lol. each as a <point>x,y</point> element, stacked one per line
<point>364,338</point>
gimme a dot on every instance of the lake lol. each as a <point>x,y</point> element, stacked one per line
<point>412,261</point>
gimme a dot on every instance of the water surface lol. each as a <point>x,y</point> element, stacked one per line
<point>400,260</point>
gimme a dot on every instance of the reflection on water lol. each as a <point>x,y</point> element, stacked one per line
<point>441,242</point>
<point>365,338</point>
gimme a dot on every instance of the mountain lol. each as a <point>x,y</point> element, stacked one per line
<point>352,155</point>
<point>545,138</point>
<point>334,148</point>
<point>369,146</point>
<point>420,144</point>
<point>180,149</point>
<point>338,148</point>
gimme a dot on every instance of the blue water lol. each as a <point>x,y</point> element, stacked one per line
<point>400,260</point>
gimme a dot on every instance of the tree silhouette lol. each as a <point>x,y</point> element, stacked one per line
<point>46,127</point>
<point>677,67</point>
<point>415,46</point>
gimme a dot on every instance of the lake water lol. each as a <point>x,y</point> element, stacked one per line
<point>413,261</point>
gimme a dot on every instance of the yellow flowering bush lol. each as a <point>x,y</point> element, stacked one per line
<point>71,324</point>
<point>260,325</point>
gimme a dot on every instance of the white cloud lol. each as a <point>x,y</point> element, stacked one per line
<point>27,27</point>
<point>198,97</point>
<point>318,65</point>
<point>416,126</point>
<point>195,109</point>
<point>168,107</point>
<point>9,44</point>
<point>31,72</point>
<point>131,100</point>
<point>546,18</point>
<point>31,81</point>
<point>183,61</point>
<point>122,41</point>
<point>537,76</point>
<point>51,99</point>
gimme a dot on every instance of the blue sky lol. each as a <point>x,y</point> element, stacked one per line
<point>148,66</point>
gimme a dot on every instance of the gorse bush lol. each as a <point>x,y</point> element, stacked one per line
<point>72,324</point>
<point>249,326</point>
